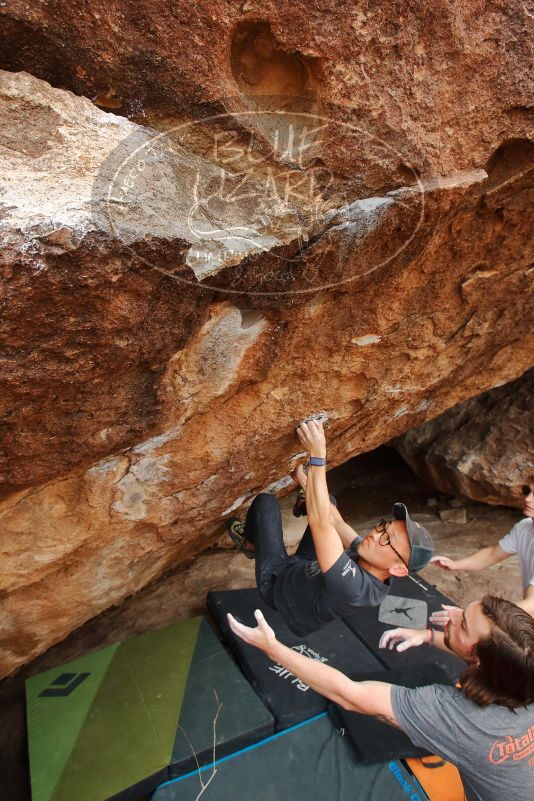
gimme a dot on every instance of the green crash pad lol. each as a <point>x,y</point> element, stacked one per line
<point>111,723</point>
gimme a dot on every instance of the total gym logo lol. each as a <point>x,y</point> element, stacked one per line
<point>64,685</point>
<point>512,747</point>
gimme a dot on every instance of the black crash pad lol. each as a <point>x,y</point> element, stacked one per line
<point>364,624</point>
<point>374,741</point>
<point>289,700</point>
<point>308,762</point>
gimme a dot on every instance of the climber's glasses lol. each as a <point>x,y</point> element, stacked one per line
<point>384,539</point>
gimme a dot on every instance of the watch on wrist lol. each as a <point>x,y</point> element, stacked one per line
<point>317,461</point>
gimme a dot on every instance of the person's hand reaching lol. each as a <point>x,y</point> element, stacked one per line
<point>442,617</point>
<point>445,562</point>
<point>299,475</point>
<point>312,437</point>
<point>404,638</point>
<point>262,636</point>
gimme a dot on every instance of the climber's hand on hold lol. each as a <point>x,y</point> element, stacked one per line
<point>299,475</point>
<point>312,437</point>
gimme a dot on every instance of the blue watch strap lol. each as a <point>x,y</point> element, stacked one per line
<point>317,461</point>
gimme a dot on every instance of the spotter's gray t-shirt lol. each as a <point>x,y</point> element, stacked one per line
<point>520,540</point>
<point>492,746</point>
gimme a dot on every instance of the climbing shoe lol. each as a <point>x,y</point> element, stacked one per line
<point>299,509</point>
<point>236,531</point>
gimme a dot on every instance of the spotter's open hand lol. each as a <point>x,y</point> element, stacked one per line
<point>262,636</point>
<point>445,562</point>
<point>403,638</point>
<point>442,617</point>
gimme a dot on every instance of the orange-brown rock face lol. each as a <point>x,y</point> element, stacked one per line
<point>482,448</point>
<point>455,78</point>
<point>347,234</point>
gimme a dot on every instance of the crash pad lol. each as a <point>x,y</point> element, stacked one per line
<point>373,740</point>
<point>114,723</point>
<point>289,699</point>
<point>365,624</point>
<point>306,762</point>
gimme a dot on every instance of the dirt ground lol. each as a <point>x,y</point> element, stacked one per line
<point>365,488</point>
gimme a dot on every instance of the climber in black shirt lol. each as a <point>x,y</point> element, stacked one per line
<point>333,570</point>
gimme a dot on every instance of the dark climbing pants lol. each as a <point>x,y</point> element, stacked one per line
<point>263,528</point>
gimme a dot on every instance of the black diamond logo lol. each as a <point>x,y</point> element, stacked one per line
<point>64,685</point>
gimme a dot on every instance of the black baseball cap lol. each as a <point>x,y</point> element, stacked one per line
<point>422,547</point>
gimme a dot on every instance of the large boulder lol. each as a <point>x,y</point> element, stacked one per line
<point>483,448</point>
<point>454,78</point>
<point>164,330</point>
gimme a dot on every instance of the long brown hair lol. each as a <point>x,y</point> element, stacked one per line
<point>502,671</point>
